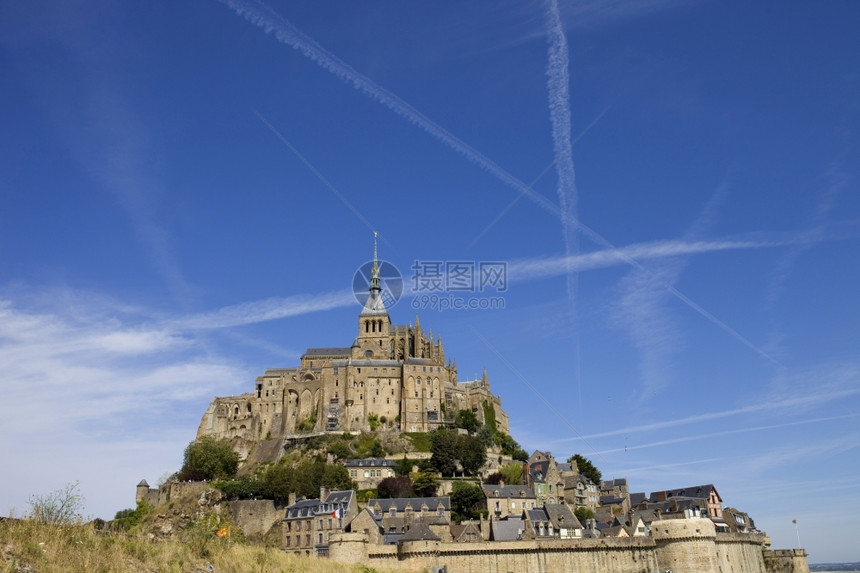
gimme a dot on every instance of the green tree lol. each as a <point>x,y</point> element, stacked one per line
<point>278,483</point>
<point>582,513</point>
<point>59,507</point>
<point>467,420</point>
<point>443,446</point>
<point>373,421</point>
<point>467,500</point>
<point>392,487</point>
<point>425,484</point>
<point>512,473</point>
<point>208,459</point>
<point>336,477</point>
<point>340,450</point>
<point>243,487</point>
<point>586,468</point>
<point>472,453</point>
<point>128,518</point>
<point>510,447</point>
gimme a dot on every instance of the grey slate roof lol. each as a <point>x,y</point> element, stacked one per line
<point>419,531</point>
<point>637,498</point>
<point>506,491</point>
<point>561,516</point>
<point>508,529</point>
<point>697,491</point>
<point>564,467</point>
<point>304,508</point>
<point>400,503</point>
<point>371,463</point>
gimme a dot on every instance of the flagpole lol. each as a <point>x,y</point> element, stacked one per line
<point>797,531</point>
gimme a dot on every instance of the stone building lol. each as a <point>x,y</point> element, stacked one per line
<point>397,376</point>
<point>309,523</point>
<point>368,472</point>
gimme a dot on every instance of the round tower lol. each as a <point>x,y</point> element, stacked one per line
<point>686,545</point>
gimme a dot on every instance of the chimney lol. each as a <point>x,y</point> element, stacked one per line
<point>324,491</point>
<point>291,499</point>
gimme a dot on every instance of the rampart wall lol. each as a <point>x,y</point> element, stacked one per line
<point>681,546</point>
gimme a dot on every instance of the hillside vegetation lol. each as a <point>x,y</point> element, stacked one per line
<point>30,546</point>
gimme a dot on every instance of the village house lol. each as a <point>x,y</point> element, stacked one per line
<point>544,478</point>
<point>309,523</point>
<point>504,500</point>
<point>396,515</point>
<point>551,521</point>
<point>368,472</point>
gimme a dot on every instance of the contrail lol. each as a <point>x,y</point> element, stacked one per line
<point>800,401</point>
<point>558,93</point>
<point>546,267</point>
<point>727,433</point>
<point>261,15</point>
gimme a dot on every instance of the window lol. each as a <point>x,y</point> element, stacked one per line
<point>288,539</point>
<point>308,539</point>
<point>335,370</point>
<point>320,538</point>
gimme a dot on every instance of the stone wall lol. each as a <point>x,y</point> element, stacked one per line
<point>682,546</point>
<point>786,561</point>
<point>255,516</point>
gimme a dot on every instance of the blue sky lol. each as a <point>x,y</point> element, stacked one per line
<point>186,190</point>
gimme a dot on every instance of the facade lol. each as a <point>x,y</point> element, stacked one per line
<point>368,472</point>
<point>545,479</point>
<point>504,500</point>
<point>309,523</point>
<point>396,375</point>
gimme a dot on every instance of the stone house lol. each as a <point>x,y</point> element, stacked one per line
<point>368,472</point>
<point>713,507</point>
<point>467,532</point>
<point>309,523</point>
<point>544,478</point>
<point>551,521</point>
<point>504,500</point>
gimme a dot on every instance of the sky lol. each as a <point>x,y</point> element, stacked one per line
<point>669,188</point>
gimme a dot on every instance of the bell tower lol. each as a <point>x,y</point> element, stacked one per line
<point>374,323</point>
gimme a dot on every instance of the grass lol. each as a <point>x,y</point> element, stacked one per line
<point>420,441</point>
<point>26,545</point>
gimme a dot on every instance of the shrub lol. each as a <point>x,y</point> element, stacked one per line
<point>60,507</point>
<point>207,459</point>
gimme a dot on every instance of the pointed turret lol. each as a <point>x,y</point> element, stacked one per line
<point>373,321</point>
<point>484,380</point>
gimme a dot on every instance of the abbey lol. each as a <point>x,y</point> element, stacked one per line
<point>395,376</point>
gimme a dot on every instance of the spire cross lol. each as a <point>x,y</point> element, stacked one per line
<point>374,271</point>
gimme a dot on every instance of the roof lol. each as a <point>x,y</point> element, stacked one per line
<point>415,503</point>
<point>143,483</point>
<point>339,499</point>
<point>331,351</point>
<point>611,500</point>
<point>618,482</point>
<point>374,305</point>
<point>637,498</point>
<point>561,516</point>
<point>371,463</point>
<point>509,529</point>
<point>364,362</point>
<point>538,470</point>
<point>518,491</point>
<point>698,491</point>
<point>564,467</point>
<point>419,531</point>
